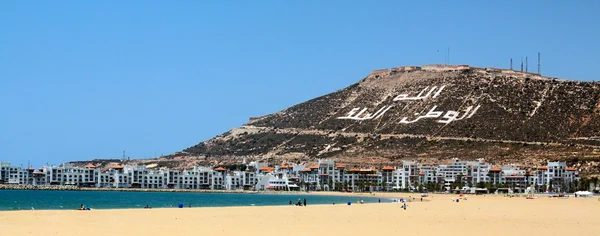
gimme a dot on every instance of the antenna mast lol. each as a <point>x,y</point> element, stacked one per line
<point>448,55</point>
<point>539,72</point>
<point>526,65</point>
<point>511,63</point>
<point>521,64</point>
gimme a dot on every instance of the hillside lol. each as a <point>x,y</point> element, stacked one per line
<point>432,114</point>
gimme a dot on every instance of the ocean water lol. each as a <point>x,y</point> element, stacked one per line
<point>69,200</point>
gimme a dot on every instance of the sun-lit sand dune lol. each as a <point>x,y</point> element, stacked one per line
<point>439,215</point>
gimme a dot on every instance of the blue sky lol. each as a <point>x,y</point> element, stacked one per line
<point>88,79</point>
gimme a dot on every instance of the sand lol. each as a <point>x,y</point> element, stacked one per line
<point>438,215</point>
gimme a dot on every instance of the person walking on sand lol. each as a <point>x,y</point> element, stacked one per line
<point>404,206</point>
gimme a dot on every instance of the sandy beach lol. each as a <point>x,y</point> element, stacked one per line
<point>438,215</point>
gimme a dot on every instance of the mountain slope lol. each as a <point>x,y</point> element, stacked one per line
<point>430,115</point>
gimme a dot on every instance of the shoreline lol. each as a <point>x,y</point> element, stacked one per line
<point>327,193</point>
<point>440,216</point>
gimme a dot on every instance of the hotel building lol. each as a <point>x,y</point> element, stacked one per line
<point>324,175</point>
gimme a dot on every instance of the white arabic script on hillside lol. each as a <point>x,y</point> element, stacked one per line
<point>433,92</point>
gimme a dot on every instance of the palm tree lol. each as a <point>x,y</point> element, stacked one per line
<point>595,181</point>
<point>459,177</point>
<point>384,185</point>
<point>361,186</point>
<point>490,175</point>
<point>584,184</point>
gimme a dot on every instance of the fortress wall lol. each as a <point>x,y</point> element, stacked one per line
<point>441,67</point>
<point>379,73</point>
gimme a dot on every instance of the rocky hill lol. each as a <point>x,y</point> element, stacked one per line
<point>430,114</point>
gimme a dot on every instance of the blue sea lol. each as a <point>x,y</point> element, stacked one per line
<point>70,200</point>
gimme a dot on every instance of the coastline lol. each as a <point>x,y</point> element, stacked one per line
<point>439,216</point>
<point>326,193</point>
<point>15,200</point>
<point>73,188</point>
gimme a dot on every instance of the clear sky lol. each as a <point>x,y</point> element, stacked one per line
<point>88,79</point>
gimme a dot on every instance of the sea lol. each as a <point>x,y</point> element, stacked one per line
<point>70,200</point>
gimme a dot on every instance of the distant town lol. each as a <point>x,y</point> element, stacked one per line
<point>324,175</point>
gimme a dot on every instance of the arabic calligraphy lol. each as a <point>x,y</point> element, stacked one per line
<point>428,92</point>
<point>420,96</point>
<point>355,114</point>
<point>447,118</point>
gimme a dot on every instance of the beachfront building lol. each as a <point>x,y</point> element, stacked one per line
<point>514,178</point>
<point>218,179</point>
<point>323,175</point>
<point>428,174</point>
<point>309,178</point>
<point>455,173</point>
<point>67,174</point>
<point>250,179</point>
<point>387,178</point>
<point>142,177</point>
<point>328,174</point>
<point>196,178</point>
<point>15,174</point>
<point>287,169</point>
<point>477,172</point>
<point>365,179</point>
<point>119,178</point>
<point>410,175</point>
<point>555,177</point>
<point>234,180</point>
<point>38,177</point>
<point>276,182</point>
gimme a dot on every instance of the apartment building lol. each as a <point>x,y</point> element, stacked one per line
<point>15,174</point>
<point>324,175</point>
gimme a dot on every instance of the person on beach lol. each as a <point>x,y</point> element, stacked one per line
<point>290,202</point>
<point>404,206</point>
<point>81,208</point>
<point>305,202</point>
<point>380,200</point>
